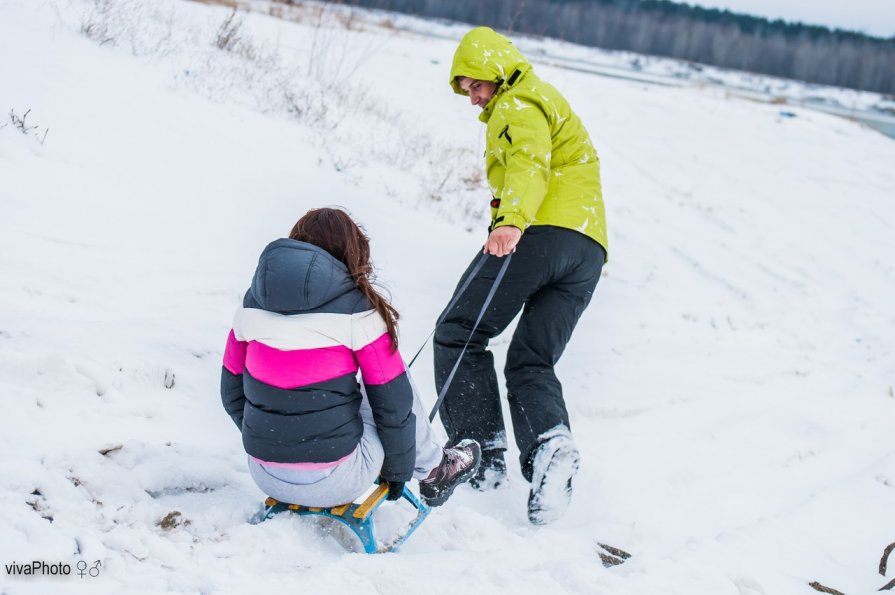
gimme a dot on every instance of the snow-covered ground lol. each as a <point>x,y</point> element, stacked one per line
<point>730,387</point>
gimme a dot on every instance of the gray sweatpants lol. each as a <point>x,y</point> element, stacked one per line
<point>351,478</point>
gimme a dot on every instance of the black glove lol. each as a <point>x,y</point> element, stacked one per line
<point>395,489</point>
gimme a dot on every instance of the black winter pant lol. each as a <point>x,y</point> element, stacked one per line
<point>551,278</point>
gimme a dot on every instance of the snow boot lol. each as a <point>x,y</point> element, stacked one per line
<point>554,464</point>
<point>492,472</point>
<point>458,464</point>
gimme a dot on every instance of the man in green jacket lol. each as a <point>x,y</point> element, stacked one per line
<point>547,210</point>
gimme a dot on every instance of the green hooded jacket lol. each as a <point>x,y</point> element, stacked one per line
<point>541,165</point>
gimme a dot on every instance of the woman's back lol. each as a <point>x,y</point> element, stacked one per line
<point>304,330</point>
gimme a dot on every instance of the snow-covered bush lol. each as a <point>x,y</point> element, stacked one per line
<point>316,84</point>
<point>146,28</point>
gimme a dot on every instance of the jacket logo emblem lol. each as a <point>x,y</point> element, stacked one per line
<point>506,132</point>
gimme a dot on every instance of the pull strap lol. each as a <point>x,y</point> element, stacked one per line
<point>475,270</point>
<point>494,286</point>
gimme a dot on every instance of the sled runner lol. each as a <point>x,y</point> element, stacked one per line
<point>358,516</point>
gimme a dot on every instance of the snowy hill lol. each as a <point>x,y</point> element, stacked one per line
<point>730,387</point>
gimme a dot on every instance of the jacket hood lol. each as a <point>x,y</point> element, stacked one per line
<point>297,276</point>
<point>486,55</point>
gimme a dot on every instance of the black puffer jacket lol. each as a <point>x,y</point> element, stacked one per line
<point>289,379</point>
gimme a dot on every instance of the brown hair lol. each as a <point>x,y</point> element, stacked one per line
<point>335,231</point>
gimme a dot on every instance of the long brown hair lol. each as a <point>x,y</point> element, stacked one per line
<point>335,231</point>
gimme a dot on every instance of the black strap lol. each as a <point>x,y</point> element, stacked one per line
<point>475,269</point>
<point>513,77</point>
<point>450,378</point>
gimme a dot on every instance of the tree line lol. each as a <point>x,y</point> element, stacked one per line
<point>721,38</point>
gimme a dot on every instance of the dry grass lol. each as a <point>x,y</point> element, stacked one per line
<point>228,3</point>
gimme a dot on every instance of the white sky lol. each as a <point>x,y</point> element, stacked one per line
<point>874,17</point>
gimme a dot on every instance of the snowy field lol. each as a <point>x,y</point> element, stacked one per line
<point>730,387</point>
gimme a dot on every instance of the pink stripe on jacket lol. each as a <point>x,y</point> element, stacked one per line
<point>290,369</point>
<point>294,368</point>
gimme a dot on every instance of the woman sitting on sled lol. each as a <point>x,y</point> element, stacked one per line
<point>309,322</point>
